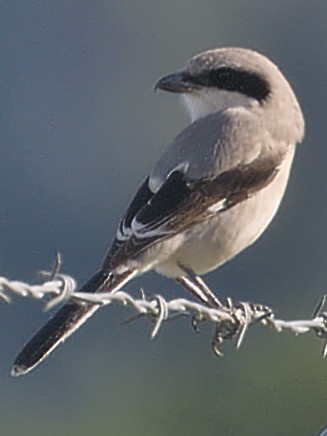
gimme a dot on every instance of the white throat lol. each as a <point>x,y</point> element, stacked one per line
<point>202,103</point>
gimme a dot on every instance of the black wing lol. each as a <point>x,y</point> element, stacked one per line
<point>180,203</point>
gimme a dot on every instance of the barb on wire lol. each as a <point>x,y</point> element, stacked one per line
<point>230,321</point>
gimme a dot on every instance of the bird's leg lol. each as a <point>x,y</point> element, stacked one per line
<point>224,329</point>
<point>193,288</point>
<point>198,288</point>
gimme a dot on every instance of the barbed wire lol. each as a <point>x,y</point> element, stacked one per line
<point>231,321</point>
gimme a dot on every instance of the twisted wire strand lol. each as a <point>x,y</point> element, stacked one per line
<point>230,322</point>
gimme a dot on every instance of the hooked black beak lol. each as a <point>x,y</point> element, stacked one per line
<point>177,83</point>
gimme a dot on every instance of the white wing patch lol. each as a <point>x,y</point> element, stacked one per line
<point>126,229</point>
<point>217,207</point>
<point>123,232</point>
<point>156,182</point>
<point>142,231</point>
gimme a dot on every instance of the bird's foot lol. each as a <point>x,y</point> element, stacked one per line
<point>242,315</point>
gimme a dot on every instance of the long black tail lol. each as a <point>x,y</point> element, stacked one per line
<point>68,319</point>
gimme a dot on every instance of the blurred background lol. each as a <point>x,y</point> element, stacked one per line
<point>80,128</point>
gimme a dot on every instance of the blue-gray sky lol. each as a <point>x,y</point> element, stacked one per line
<point>80,128</point>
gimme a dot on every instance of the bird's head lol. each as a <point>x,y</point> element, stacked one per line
<point>225,78</point>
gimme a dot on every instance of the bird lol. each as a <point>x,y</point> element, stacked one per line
<point>212,193</point>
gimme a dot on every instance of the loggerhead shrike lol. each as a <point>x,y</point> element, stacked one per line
<point>212,193</point>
